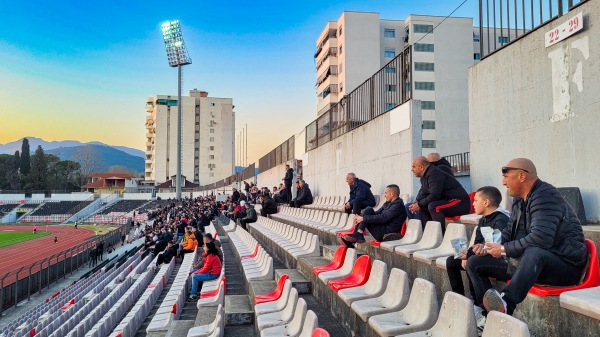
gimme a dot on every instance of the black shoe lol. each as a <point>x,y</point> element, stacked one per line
<point>391,237</point>
<point>355,237</point>
<point>345,243</point>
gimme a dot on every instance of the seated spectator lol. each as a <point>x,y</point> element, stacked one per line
<point>167,254</point>
<point>162,241</point>
<point>304,195</point>
<point>438,161</point>
<point>384,224</point>
<point>208,238</point>
<point>440,196</point>
<point>191,245</point>
<point>250,216</point>
<point>268,205</point>
<point>487,203</point>
<point>281,196</point>
<point>543,242</point>
<point>210,271</point>
<point>274,192</point>
<point>235,196</point>
<point>361,196</point>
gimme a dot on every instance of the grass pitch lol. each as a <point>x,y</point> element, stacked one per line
<point>8,238</point>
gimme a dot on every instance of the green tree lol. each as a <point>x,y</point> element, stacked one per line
<point>16,163</point>
<point>25,158</point>
<point>64,175</point>
<point>38,176</point>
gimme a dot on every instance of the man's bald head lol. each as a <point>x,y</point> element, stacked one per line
<point>419,166</point>
<point>518,176</point>
<point>422,161</point>
<point>523,163</point>
<point>433,157</point>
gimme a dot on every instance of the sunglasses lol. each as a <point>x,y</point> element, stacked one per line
<point>505,169</point>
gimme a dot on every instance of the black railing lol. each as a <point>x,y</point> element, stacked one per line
<point>277,156</point>
<point>504,21</point>
<point>460,163</point>
<point>385,90</point>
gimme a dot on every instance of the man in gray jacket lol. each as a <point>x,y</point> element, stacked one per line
<point>543,242</point>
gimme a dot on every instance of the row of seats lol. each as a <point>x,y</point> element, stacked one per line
<point>386,302</point>
<point>257,265</point>
<point>123,206</point>
<point>328,203</point>
<point>325,221</point>
<point>296,242</point>
<point>61,207</point>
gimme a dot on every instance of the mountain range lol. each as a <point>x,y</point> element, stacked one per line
<point>107,155</point>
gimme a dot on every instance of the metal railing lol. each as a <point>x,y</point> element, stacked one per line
<point>279,155</point>
<point>504,21</point>
<point>20,284</point>
<point>460,163</point>
<point>388,88</point>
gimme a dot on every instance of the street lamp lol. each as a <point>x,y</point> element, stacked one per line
<point>178,56</point>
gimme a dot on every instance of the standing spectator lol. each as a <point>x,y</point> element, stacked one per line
<point>304,195</point>
<point>361,196</point>
<point>250,216</point>
<point>100,249</point>
<point>287,180</point>
<point>93,257</point>
<point>180,232</point>
<point>235,196</point>
<point>440,162</point>
<point>440,196</point>
<point>210,271</point>
<point>247,189</point>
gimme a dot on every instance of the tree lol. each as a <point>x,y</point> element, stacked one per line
<point>64,175</point>
<point>120,169</point>
<point>38,176</point>
<point>89,159</point>
<point>25,158</point>
<point>16,179</point>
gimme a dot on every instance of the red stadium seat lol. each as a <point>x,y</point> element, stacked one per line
<point>320,333</point>
<point>360,275</point>
<point>336,263</point>
<point>253,254</point>
<point>471,211</point>
<point>222,283</point>
<point>273,296</point>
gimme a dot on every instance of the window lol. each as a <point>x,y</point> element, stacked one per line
<point>389,52</point>
<point>475,37</point>
<point>340,50</point>
<point>340,31</point>
<point>390,87</point>
<point>212,130</point>
<point>390,70</point>
<point>212,148</point>
<point>212,156</point>
<point>212,139</point>
<point>428,47</point>
<point>502,39</point>
<point>389,106</point>
<point>428,144</point>
<point>424,66</point>
<point>211,174</point>
<point>428,105</point>
<point>477,56</point>
<point>428,125</point>
<point>341,87</point>
<point>423,28</point>
<point>424,85</point>
<point>389,33</point>
<point>212,104</point>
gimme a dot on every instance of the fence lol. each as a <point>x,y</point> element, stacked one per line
<point>281,154</point>
<point>386,89</point>
<point>20,284</point>
<point>504,21</point>
<point>460,163</point>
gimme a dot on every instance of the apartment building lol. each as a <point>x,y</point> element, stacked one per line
<point>357,45</point>
<point>208,138</point>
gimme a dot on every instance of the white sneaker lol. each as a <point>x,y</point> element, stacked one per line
<point>479,318</point>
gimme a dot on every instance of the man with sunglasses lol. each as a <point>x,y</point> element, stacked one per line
<point>543,243</point>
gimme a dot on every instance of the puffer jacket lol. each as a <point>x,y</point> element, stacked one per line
<point>443,165</point>
<point>545,220</point>
<point>496,220</point>
<point>305,195</point>
<point>391,215</point>
<point>438,185</point>
<point>361,191</point>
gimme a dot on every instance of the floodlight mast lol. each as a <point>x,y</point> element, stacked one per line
<point>178,56</point>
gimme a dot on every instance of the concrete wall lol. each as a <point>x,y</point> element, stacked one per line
<point>137,196</point>
<point>12,197</point>
<point>76,196</point>
<point>541,103</point>
<point>375,152</point>
<point>274,176</point>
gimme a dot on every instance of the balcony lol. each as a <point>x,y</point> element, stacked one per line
<point>333,51</point>
<point>148,170</point>
<point>148,161</point>
<point>149,107</point>
<point>330,71</point>
<point>149,144</point>
<point>149,135</point>
<point>332,34</point>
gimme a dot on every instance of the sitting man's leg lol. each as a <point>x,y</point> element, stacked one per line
<point>480,269</point>
<point>453,268</point>
<point>357,207</point>
<point>441,209</point>
<point>358,235</point>
<point>536,265</point>
<point>411,215</point>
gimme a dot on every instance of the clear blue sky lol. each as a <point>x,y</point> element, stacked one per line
<point>82,69</point>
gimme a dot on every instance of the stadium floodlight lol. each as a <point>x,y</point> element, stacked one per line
<point>178,56</point>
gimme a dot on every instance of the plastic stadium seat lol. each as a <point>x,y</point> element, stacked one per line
<point>360,275</point>
<point>344,271</point>
<point>432,237</point>
<point>320,333</point>
<point>374,287</point>
<point>394,298</point>
<point>294,327</point>
<point>592,276</point>
<point>273,296</point>
<point>414,232</point>
<point>278,318</point>
<point>499,324</point>
<point>253,253</point>
<point>336,263</point>
<point>402,232</point>
<point>222,283</point>
<point>268,307</point>
<point>453,231</point>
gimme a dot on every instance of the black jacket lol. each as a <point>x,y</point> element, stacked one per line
<point>495,220</point>
<point>438,185</point>
<point>545,220</point>
<point>235,196</point>
<point>443,165</point>
<point>269,206</point>
<point>361,191</point>
<point>289,176</point>
<point>392,215</point>
<point>305,195</point>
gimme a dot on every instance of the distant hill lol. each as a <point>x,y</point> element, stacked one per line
<point>10,148</point>
<point>107,157</point>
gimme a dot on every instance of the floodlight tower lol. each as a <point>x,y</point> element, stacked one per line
<point>178,56</point>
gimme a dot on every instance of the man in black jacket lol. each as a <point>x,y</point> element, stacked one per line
<point>440,162</point>
<point>268,205</point>
<point>235,196</point>
<point>384,224</point>
<point>440,196</point>
<point>543,241</point>
<point>304,195</point>
<point>361,196</point>
<point>287,180</point>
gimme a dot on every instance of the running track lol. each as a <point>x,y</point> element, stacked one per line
<point>25,253</point>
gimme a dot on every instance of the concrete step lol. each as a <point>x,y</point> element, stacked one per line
<point>238,310</point>
<point>299,281</point>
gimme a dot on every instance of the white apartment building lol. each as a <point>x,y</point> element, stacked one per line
<point>207,143</point>
<point>358,44</point>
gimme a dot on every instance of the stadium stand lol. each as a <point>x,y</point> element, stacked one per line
<point>123,206</point>
<point>7,208</point>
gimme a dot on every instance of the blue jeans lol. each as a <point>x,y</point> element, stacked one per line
<point>178,237</point>
<point>197,278</point>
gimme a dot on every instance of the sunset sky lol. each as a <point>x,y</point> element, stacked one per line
<point>82,70</point>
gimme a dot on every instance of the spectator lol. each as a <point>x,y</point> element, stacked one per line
<point>268,205</point>
<point>180,232</point>
<point>208,238</point>
<point>34,229</point>
<point>281,196</point>
<point>440,162</point>
<point>161,243</point>
<point>287,180</point>
<point>93,257</point>
<point>543,241</point>
<point>487,203</point>
<point>210,271</point>
<point>100,249</point>
<point>360,195</point>
<point>250,216</point>
<point>167,254</point>
<point>191,244</point>
<point>384,224</point>
<point>235,196</point>
<point>247,189</point>
<point>274,192</point>
<point>440,196</point>
<point>304,195</point>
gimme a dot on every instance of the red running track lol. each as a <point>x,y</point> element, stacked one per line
<point>25,253</point>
